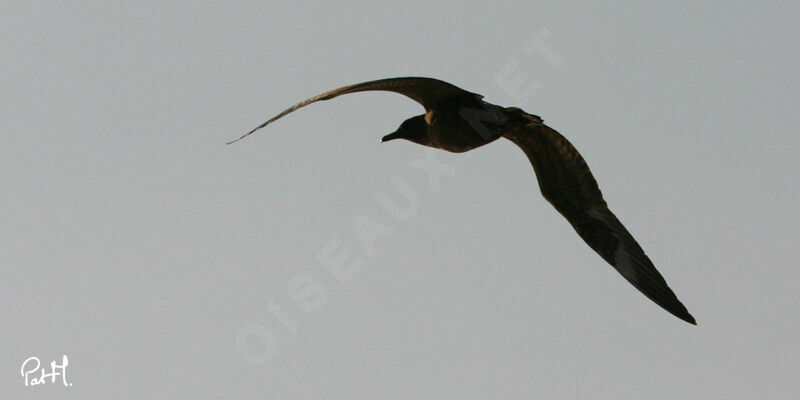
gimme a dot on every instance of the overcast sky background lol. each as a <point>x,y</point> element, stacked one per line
<point>166,264</point>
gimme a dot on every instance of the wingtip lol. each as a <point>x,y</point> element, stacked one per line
<point>685,316</point>
<point>233,141</point>
<point>243,136</point>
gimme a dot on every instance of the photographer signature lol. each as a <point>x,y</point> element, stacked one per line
<point>31,366</point>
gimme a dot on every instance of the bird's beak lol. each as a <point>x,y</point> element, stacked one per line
<point>393,135</point>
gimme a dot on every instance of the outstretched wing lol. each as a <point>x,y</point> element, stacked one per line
<point>425,91</point>
<point>566,182</point>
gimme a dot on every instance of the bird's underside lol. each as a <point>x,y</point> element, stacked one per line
<point>563,176</point>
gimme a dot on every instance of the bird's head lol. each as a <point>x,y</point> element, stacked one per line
<point>414,129</point>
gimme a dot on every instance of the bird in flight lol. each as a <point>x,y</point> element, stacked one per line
<point>457,121</point>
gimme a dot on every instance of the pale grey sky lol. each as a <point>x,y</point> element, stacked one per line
<point>166,264</point>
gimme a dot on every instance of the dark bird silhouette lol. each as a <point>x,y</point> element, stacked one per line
<point>456,120</point>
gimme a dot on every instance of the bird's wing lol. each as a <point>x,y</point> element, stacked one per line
<point>566,182</point>
<point>426,91</point>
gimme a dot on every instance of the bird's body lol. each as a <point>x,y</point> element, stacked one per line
<point>457,121</point>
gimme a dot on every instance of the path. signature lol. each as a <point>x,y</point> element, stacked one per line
<point>32,364</point>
